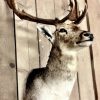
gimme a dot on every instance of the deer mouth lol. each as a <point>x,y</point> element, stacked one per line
<point>85,42</point>
<point>90,40</point>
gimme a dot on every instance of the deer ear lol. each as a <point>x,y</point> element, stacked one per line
<point>46,32</point>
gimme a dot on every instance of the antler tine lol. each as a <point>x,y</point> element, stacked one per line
<point>74,14</point>
<point>9,4</point>
<point>81,17</point>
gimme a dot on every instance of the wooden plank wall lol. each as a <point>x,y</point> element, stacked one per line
<point>84,67</point>
<point>33,48</point>
<point>8,83</point>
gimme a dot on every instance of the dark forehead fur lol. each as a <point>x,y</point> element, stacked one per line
<point>75,28</point>
<point>71,26</point>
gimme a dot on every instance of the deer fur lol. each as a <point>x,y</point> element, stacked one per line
<point>56,80</point>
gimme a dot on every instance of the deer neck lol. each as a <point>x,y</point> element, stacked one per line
<point>62,62</point>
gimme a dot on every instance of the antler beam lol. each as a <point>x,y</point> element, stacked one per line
<point>73,15</point>
<point>23,15</point>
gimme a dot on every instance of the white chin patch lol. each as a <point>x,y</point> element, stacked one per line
<point>85,44</point>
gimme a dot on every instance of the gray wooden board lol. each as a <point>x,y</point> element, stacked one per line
<point>75,92</point>
<point>94,19</point>
<point>84,66</point>
<point>8,84</point>
<point>27,44</point>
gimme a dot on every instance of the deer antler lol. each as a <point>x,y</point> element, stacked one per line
<point>73,15</point>
<point>81,17</point>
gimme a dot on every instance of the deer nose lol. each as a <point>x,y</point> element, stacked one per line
<point>87,35</point>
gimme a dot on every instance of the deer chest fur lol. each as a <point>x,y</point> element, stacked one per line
<point>55,82</point>
<point>52,89</point>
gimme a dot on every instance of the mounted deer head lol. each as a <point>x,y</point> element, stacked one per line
<point>67,30</point>
<point>56,80</point>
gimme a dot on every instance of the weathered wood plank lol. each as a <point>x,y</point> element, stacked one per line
<point>45,9</point>
<point>61,7</point>
<point>75,92</point>
<point>85,72</point>
<point>27,44</point>
<point>94,19</point>
<point>8,84</point>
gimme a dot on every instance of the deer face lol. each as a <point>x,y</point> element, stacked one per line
<point>68,36</point>
<point>72,37</point>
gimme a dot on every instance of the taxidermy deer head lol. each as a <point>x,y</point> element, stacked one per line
<point>56,80</point>
<point>67,31</point>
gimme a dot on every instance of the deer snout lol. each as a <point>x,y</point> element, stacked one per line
<point>87,36</point>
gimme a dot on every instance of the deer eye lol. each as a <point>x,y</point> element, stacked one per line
<point>63,30</point>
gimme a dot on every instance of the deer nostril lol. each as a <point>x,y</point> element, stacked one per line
<point>91,37</point>
<point>87,34</point>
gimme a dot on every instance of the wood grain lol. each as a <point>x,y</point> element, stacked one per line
<point>94,19</point>
<point>27,44</point>
<point>75,95</point>
<point>8,84</point>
